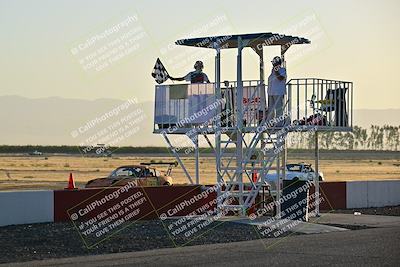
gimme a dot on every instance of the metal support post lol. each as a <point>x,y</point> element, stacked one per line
<point>172,149</point>
<point>239,123</point>
<point>316,176</point>
<point>278,188</point>
<point>218,123</point>
<point>197,158</point>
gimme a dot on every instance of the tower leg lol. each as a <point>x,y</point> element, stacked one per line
<point>278,188</point>
<point>197,158</point>
<point>316,176</point>
<point>176,155</point>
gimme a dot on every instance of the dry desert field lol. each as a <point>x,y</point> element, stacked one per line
<point>52,171</point>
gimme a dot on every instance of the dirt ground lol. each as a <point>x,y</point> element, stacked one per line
<point>52,171</point>
<point>60,240</point>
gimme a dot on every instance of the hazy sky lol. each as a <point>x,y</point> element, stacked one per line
<point>46,46</point>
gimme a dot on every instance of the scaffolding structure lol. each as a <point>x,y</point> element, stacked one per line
<point>247,144</point>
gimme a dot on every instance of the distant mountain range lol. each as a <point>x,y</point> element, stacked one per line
<point>61,121</point>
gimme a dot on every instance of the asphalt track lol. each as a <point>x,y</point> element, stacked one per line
<point>367,247</point>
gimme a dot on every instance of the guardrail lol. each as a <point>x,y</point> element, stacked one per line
<point>327,104</point>
<point>322,102</point>
<point>196,105</point>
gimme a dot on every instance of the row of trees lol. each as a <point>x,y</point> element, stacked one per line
<point>374,138</point>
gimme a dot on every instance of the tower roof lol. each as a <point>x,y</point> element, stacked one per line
<point>248,40</point>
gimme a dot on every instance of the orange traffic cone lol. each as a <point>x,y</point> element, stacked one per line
<point>71,183</point>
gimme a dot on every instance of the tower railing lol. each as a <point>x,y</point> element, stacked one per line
<point>327,104</point>
<point>180,107</point>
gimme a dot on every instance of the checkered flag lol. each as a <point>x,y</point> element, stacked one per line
<point>159,72</point>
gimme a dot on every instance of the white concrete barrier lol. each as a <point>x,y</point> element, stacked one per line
<point>367,194</point>
<point>23,207</point>
<point>356,194</point>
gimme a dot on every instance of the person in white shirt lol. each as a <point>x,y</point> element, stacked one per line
<point>276,90</point>
<point>196,76</point>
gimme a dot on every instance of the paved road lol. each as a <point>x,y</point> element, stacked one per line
<point>368,247</point>
<point>350,219</point>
